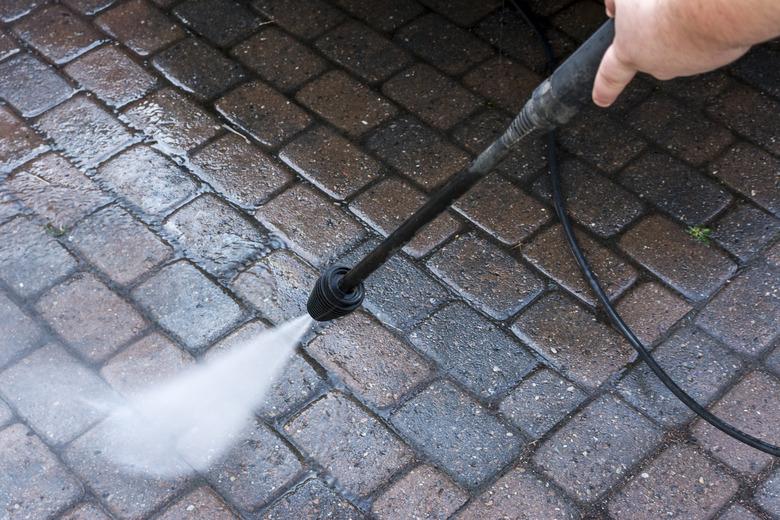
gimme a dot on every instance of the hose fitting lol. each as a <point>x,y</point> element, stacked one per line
<point>328,301</point>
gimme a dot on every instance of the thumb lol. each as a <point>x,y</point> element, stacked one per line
<point>612,77</point>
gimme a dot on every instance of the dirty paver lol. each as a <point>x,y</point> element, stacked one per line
<point>174,174</point>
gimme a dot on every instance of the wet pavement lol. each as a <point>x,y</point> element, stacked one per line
<point>173,175</point>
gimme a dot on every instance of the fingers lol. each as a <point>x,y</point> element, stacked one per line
<point>610,5</point>
<point>612,77</point>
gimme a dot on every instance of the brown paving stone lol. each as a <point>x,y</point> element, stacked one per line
<point>387,204</point>
<point>13,9</point>
<point>118,245</point>
<point>84,131</point>
<point>423,493</point>
<point>522,495</point>
<point>417,152</point>
<point>571,339</point>
<point>350,444</point>
<point>486,276</point>
<point>384,16</point>
<point>199,504</point>
<point>88,7</point>
<point>751,406</point>
<point>549,252</point>
<point>195,67</point>
<point>362,51</point>
<point>330,162</point>
<point>57,33</point>
<point>371,361</point>
<point>593,200</point>
<point>30,259</point>
<point>650,310</point>
<point>746,314</point>
<point>699,90</point>
<point>85,511</point>
<point>279,58</point>
<point>695,269</point>
<point>693,360</point>
<point>140,26</point>
<point>434,98</point>
<point>737,512</point>
<point>172,120</point>
<point>750,113</point>
<point>18,332</point>
<point>752,172</point>
<point>768,495</point>
<point>745,230</point>
<point>304,18</point>
<point>472,350</point>
<point>593,450</point>
<point>111,75</point>
<point>751,68</point>
<point>312,499</point>
<point>33,483</point>
<point>18,142</point>
<point>313,227</point>
<point>224,22</point>
<point>345,103</point>
<point>262,112</point>
<point>581,19</point>
<point>540,402</point>
<point>8,46</point>
<point>443,44</point>
<point>462,12</point>
<point>31,86</point>
<point>55,393</point>
<point>682,482</point>
<point>503,82</point>
<point>456,434</point>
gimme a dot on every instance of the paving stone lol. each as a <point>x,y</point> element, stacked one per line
<point>746,314</point>
<point>57,395</point>
<point>85,510</point>
<point>387,204</point>
<point>257,467</point>
<point>279,58</point>
<point>695,269</point>
<point>330,162</point>
<point>262,112</point>
<point>424,493</point>
<point>362,51</point>
<point>146,363</point>
<point>503,82</point>
<point>773,255</point>
<point>345,103</point>
<point>88,7</point>
<point>33,483</point>
<point>31,86</point>
<point>456,434</point>
<point>443,44</point>
<point>472,350</point>
<point>305,18</point>
<point>312,500</point>
<point>351,445</point>
<point>570,338</point>
<point>172,121</point>
<point>18,142</point>
<point>772,362</point>
<point>30,260</point>
<point>201,503</point>
<point>6,415</point>
<point>671,124</point>
<point>580,19</point>
<point>9,207</point>
<point>13,9</point>
<point>487,277</point>
<point>89,316</point>
<point>522,495</point>
<point>111,75</point>
<point>591,452</point>
<point>540,402</point>
<point>434,98</point>
<point>18,332</point>
<point>8,46</point>
<point>140,26</point>
<point>650,310</point>
<point>195,67</point>
<point>749,113</point>
<point>596,202</point>
<point>750,406</point>
<point>125,494</point>
<point>549,252</point>
<point>752,172</point>
<point>312,226</point>
<point>371,361</point>
<point>682,482</point>
<point>57,33</point>
<point>206,313</point>
<point>462,12</point>
<point>751,69</point>
<point>745,230</point>
<point>768,495</point>
<point>737,512</point>
<point>695,362</point>
<point>148,180</point>
<point>224,22</point>
<point>384,16</point>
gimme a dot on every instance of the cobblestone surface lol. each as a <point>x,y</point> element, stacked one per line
<point>175,173</point>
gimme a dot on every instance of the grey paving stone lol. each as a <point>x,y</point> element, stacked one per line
<point>31,86</point>
<point>424,492</point>
<point>201,503</point>
<point>18,332</point>
<point>6,414</point>
<point>18,142</point>
<point>768,495</point>
<point>222,21</point>
<point>737,512</point>
<point>85,511</point>
<point>313,499</point>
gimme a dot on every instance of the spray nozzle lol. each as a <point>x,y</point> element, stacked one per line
<point>328,300</point>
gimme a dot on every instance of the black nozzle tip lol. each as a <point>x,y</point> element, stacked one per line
<point>328,301</point>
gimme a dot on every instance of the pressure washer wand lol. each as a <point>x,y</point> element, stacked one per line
<point>339,290</point>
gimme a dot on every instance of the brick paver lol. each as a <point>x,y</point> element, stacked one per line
<point>423,493</point>
<point>201,503</point>
<point>18,143</point>
<point>768,495</point>
<point>650,310</point>
<point>18,332</point>
<point>312,500</point>
<point>221,21</point>
<point>140,26</point>
<point>30,86</point>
